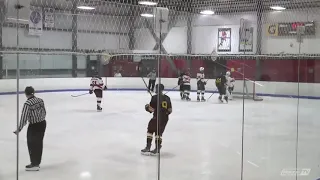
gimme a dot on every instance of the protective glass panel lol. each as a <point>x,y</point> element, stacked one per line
<point>260,57</point>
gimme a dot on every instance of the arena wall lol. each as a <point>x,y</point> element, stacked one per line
<point>273,89</point>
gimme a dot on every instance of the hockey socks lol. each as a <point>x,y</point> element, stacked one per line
<point>148,146</point>
<point>200,93</point>
<point>99,104</point>
<point>158,142</point>
<point>186,95</point>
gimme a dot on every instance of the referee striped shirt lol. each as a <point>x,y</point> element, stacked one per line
<point>33,111</point>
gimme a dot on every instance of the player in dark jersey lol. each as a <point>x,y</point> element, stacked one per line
<point>221,86</point>
<point>180,83</point>
<point>165,110</point>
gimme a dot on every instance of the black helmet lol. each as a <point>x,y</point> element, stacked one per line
<point>159,87</point>
<point>29,91</point>
<point>95,73</point>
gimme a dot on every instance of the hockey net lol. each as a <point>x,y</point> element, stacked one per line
<point>247,89</point>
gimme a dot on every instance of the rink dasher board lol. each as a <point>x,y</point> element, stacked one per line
<point>170,90</point>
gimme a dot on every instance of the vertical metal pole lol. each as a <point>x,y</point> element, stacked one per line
<point>259,40</point>
<point>131,29</point>
<point>74,38</point>
<point>18,7</point>
<point>189,38</point>
<point>159,94</point>
<point>298,104</point>
<point>2,16</point>
<point>242,21</point>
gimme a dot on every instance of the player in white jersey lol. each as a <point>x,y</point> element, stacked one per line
<point>201,83</point>
<point>186,86</point>
<point>230,84</point>
<point>97,86</point>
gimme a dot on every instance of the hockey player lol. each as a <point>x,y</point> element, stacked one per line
<point>186,85</point>
<point>230,84</point>
<point>221,86</point>
<point>97,86</point>
<point>181,85</point>
<point>163,115</point>
<point>201,83</point>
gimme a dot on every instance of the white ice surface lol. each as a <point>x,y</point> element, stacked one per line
<point>202,140</point>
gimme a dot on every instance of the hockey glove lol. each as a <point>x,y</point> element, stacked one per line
<point>148,108</point>
<point>90,91</point>
<point>105,88</point>
<point>205,83</point>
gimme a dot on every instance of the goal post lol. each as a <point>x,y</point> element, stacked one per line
<point>247,89</point>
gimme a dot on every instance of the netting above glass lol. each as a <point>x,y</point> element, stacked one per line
<point>229,27</point>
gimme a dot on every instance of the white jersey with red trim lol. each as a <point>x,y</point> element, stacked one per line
<point>96,83</point>
<point>186,79</point>
<point>230,81</point>
<point>200,77</point>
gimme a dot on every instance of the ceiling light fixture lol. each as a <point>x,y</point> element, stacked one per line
<point>207,12</point>
<point>277,8</point>
<point>147,15</point>
<point>86,7</point>
<point>147,3</point>
<point>15,19</point>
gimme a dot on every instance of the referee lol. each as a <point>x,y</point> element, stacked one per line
<point>152,79</point>
<point>33,112</point>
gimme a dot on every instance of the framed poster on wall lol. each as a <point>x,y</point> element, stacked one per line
<point>224,39</point>
<point>246,40</point>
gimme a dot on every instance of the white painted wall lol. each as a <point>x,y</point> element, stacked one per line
<point>175,42</point>
<point>310,44</point>
<point>205,33</point>
<point>264,88</point>
<point>63,40</point>
<point>204,40</point>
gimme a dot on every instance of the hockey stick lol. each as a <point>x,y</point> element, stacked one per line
<point>79,95</point>
<point>212,94</point>
<point>140,63</point>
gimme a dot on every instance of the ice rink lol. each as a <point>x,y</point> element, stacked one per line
<point>202,140</point>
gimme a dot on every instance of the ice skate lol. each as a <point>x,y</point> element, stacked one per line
<point>198,99</point>
<point>99,108</point>
<point>186,97</point>
<point>155,151</point>
<point>230,97</point>
<point>32,168</point>
<point>182,96</point>
<point>220,98</point>
<point>203,99</point>
<point>146,151</point>
<point>226,98</point>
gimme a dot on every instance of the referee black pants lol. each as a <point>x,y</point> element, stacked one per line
<point>151,84</point>
<point>35,136</point>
